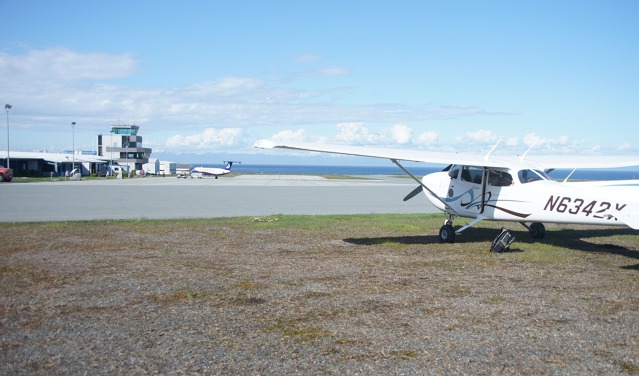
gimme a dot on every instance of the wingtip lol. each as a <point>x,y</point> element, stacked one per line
<point>264,144</point>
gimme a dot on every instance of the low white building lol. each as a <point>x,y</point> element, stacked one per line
<point>152,167</point>
<point>167,168</point>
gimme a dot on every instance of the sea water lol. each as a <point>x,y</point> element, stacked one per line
<point>584,174</point>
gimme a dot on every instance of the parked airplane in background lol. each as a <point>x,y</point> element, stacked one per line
<point>201,172</point>
<point>486,187</point>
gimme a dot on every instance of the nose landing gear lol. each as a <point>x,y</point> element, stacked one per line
<point>501,243</point>
<point>447,232</point>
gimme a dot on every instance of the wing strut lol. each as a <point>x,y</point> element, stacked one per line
<point>451,210</point>
<point>469,224</point>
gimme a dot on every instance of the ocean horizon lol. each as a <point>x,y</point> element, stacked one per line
<point>580,174</point>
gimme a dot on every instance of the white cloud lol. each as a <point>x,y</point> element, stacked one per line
<point>60,64</point>
<point>290,136</point>
<point>399,134</point>
<point>53,86</point>
<point>625,147</point>
<point>512,142</point>
<point>479,137</point>
<point>210,138</point>
<point>541,142</point>
<point>226,86</point>
<point>356,133</point>
<point>427,138</point>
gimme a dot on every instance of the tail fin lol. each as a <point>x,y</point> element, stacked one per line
<point>229,164</point>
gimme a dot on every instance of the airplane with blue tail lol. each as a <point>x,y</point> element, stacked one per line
<point>201,172</point>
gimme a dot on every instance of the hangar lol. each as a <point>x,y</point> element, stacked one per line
<point>120,150</point>
<point>37,164</point>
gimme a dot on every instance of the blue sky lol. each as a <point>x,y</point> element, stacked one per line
<point>212,77</point>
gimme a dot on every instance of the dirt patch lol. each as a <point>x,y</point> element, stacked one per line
<point>309,295</point>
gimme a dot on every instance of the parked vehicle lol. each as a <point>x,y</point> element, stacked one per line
<point>6,174</point>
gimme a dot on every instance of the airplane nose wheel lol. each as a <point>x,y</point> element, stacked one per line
<point>447,233</point>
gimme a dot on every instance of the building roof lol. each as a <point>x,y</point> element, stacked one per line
<point>53,157</point>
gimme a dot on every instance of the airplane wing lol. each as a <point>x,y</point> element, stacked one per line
<point>446,158</point>
<point>583,161</point>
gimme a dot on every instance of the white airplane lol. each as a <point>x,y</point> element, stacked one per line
<point>212,171</point>
<point>518,189</point>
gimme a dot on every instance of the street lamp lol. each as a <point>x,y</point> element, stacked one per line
<point>73,136</point>
<point>126,155</point>
<point>7,107</point>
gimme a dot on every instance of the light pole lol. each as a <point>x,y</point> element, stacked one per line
<point>7,107</point>
<point>73,136</point>
<point>126,155</point>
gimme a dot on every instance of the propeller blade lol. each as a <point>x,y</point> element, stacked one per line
<point>413,193</point>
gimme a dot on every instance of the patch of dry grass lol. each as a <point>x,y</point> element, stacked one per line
<point>298,294</point>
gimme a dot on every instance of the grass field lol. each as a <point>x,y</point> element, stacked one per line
<point>316,294</point>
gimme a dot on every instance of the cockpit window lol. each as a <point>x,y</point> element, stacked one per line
<point>472,174</point>
<point>498,178</point>
<point>453,172</point>
<point>527,176</point>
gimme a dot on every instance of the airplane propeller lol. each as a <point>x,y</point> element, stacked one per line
<point>414,193</point>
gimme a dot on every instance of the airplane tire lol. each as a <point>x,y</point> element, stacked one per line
<point>447,234</point>
<point>537,230</point>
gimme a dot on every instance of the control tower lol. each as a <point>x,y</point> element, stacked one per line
<point>124,146</point>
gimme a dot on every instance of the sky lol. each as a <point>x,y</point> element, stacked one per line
<point>204,80</point>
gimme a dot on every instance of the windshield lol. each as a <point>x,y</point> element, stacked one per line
<point>528,176</point>
<point>453,171</point>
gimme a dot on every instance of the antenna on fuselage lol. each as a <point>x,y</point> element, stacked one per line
<point>524,155</point>
<point>491,150</point>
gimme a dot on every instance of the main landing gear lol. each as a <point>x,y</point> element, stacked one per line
<point>536,230</point>
<point>447,232</point>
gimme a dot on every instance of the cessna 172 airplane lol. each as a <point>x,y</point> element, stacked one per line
<point>201,172</point>
<point>487,187</point>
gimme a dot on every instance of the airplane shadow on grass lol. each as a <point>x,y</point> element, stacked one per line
<point>577,239</point>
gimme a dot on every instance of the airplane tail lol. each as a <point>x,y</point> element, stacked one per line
<point>229,165</point>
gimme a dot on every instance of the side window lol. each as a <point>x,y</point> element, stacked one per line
<point>499,178</point>
<point>472,174</point>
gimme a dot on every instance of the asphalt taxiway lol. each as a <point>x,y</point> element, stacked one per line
<point>242,195</point>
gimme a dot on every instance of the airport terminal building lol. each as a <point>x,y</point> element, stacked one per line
<point>124,147</point>
<point>121,149</point>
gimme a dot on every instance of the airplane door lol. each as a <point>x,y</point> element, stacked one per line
<point>466,190</point>
<point>496,186</point>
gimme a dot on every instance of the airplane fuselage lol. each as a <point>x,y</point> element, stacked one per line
<point>212,171</point>
<point>209,171</point>
<point>507,195</point>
